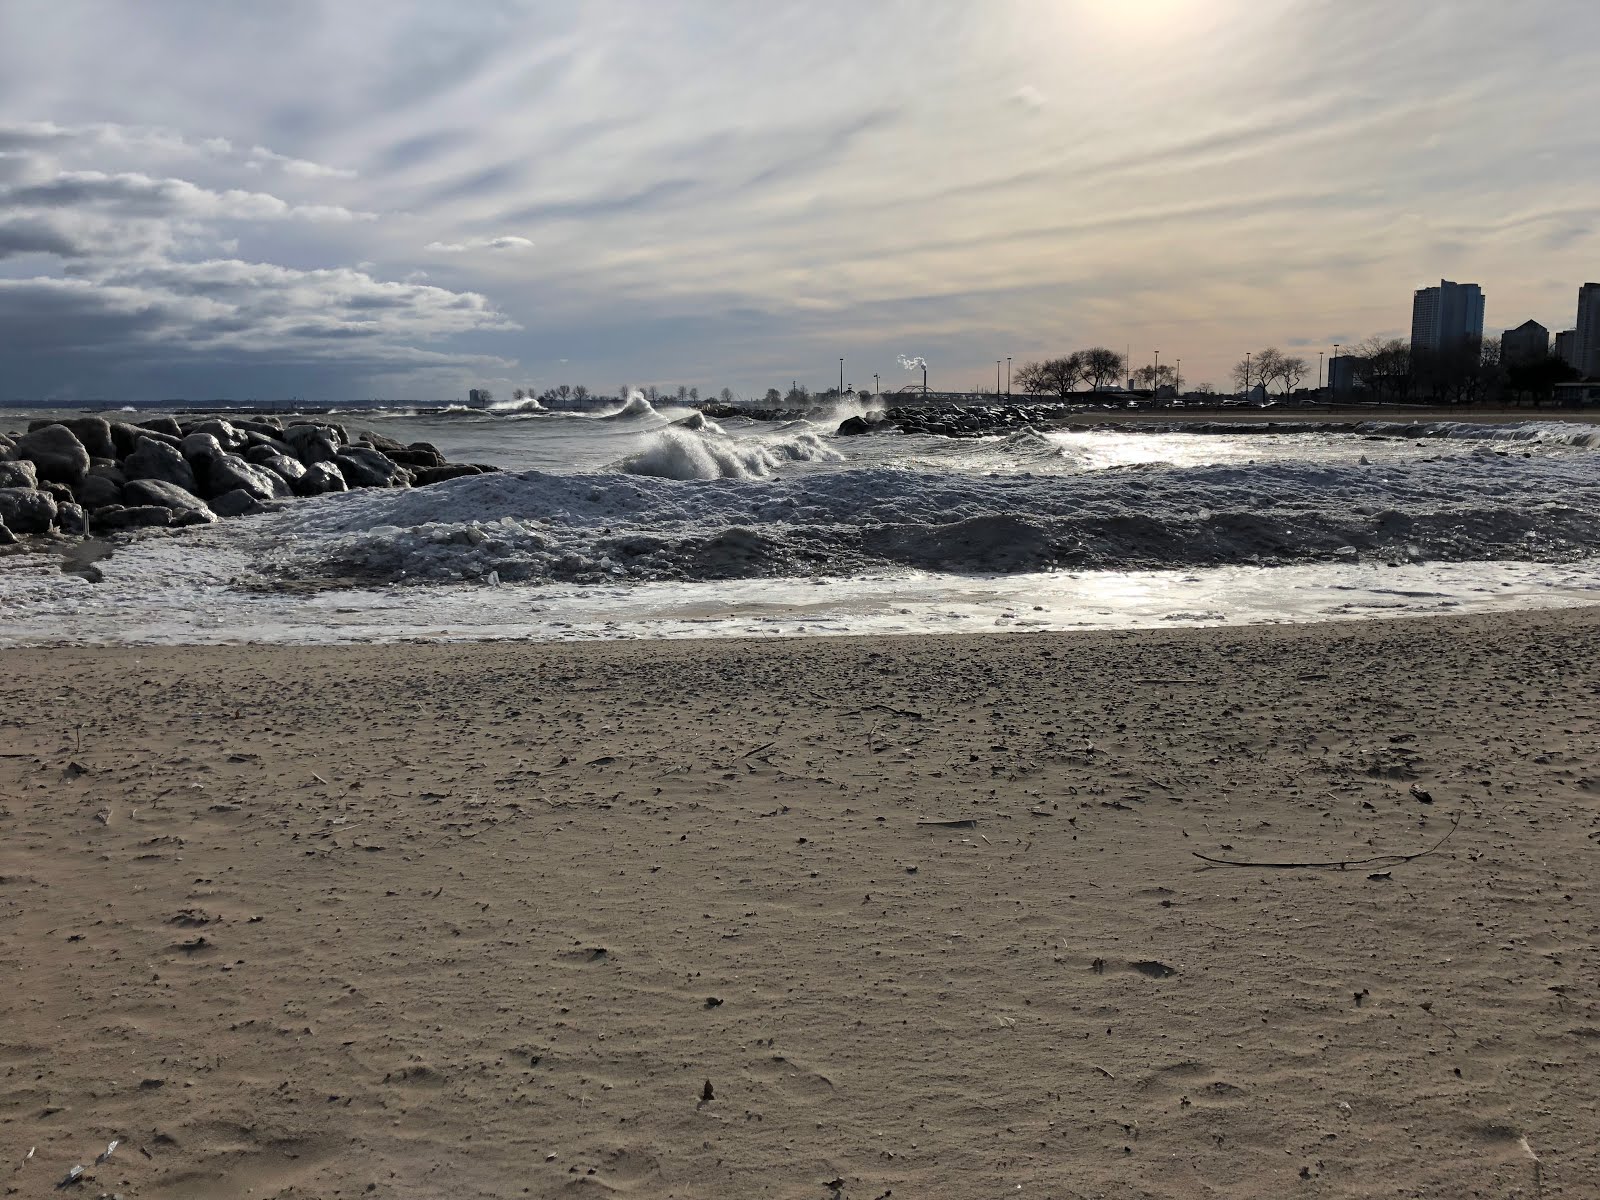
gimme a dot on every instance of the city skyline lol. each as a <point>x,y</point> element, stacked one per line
<point>415,201</point>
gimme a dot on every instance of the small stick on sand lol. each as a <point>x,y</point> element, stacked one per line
<point>1338,863</point>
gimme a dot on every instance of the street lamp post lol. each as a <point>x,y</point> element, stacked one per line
<point>841,379</point>
<point>997,379</point>
<point>1155,378</point>
<point>1008,375</point>
<point>1247,374</point>
<point>1177,377</point>
<point>1319,370</point>
<point>874,383</point>
<point>1331,371</point>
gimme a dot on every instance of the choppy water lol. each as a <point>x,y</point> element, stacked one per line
<point>662,523</point>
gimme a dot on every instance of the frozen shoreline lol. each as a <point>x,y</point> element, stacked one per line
<point>50,608</point>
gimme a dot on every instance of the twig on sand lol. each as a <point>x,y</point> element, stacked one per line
<point>1338,863</point>
<point>898,712</point>
<point>759,749</point>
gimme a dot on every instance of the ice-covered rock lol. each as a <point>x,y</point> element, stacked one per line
<point>19,473</point>
<point>56,451</point>
<point>186,508</point>
<point>363,466</point>
<point>160,461</point>
<point>27,510</point>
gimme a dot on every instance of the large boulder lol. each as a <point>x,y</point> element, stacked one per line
<point>237,503</point>
<point>72,518</point>
<point>166,425</point>
<point>419,455</point>
<point>340,434</point>
<point>320,478</point>
<point>157,460</point>
<point>378,442</point>
<point>269,426</point>
<point>7,538</point>
<point>362,466</point>
<point>97,491</point>
<point>228,472</point>
<point>57,452</point>
<point>422,476</point>
<point>231,437</point>
<point>18,474</point>
<point>257,444</point>
<point>8,448</point>
<point>200,448</point>
<point>95,434</point>
<point>144,516</point>
<point>27,510</point>
<point>288,469</point>
<point>127,437</point>
<point>320,446</point>
<point>59,492</point>
<point>185,507</point>
<point>113,473</point>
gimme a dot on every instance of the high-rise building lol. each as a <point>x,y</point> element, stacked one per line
<point>1528,342</point>
<point>1343,373</point>
<point>1586,337</point>
<point>1566,347</point>
<point>1446,316</point>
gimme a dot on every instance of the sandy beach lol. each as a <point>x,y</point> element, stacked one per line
<point>915,917</point>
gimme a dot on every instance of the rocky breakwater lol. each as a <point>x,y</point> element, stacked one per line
<point>88,475</point>
<point>955,420</point>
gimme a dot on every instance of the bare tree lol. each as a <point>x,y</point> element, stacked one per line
<point>519,393</point>
<point>1101,367</point>
<point>1155,377</point>
<point>773,396</point>
<point>1385,367</point>
<point>580,393</point>
<point>1242,374</point>
<point>726,395</point>
<point>1291,370</point>
<point>1054,376</point>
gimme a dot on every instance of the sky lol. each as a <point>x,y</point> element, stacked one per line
<point>342,200</point>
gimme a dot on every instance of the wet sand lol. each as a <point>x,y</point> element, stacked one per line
<point>486,920</point>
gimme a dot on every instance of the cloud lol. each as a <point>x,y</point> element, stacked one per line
<point>1029,97</point>
<point>505,242</point>
<point>136,195</point>
<point>260,156</point>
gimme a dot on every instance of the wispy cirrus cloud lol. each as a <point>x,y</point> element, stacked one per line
<point>503,242</point>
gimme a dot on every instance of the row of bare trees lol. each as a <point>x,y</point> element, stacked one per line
<point>1464,373</point>
<point>1268,368</point>
<point>1097,368</point>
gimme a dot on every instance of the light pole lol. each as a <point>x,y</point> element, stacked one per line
<point>1331,370</point>
<point>1177,377</point>
<point>997,379</point>
<point>1008,375</point>
<point>841,379</point>
<point>1155,378</point>
<point>874,383</point>
<point>1247,374</point>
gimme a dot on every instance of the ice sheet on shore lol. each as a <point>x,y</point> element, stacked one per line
<point>157,597</point>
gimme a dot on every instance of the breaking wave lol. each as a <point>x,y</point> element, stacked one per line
<point>700,505</point>
<point>698,448</point>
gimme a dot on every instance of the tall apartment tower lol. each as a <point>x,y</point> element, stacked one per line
<point>1446,316</point>
<point>1566,347</point>
<point>1528,342</point>
<point>1586,335</point>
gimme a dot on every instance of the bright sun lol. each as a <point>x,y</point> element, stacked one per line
<point>1141,19</point>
